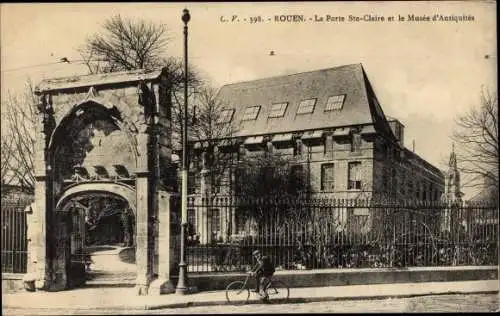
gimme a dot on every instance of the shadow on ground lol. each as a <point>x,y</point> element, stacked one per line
<point>127,255</point>
<point>98,248</point>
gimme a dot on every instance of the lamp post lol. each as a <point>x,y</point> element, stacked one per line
<point>182,283</point>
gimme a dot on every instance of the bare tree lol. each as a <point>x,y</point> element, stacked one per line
<point>6,158</point>
<point>476,135</point>
<point>125,44</point>
<point>212,122</point>
<point>18,139</point>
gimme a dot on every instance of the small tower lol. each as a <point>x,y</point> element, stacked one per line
<point>452,180</point>
<point>452,194</point>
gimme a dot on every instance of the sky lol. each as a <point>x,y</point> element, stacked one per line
<point>424,73</point>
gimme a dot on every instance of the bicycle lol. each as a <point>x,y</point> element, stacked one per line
<point>239,291</point>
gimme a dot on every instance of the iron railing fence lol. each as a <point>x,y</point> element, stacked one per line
<point>337,233</point>
<point>14,236</point>
<point>311,233</point>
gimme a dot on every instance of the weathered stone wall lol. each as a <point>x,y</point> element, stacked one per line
<point>97,120</point>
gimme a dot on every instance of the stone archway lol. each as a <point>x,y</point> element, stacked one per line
<point>85,148</point>
<point>95,218</point>
<point>122,190</point>
<point>98,131</point>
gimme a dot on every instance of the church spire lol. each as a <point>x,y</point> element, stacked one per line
<point>453,158</point>
<point>452,180</point>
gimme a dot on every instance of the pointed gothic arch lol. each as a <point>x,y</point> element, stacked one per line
<point>116,109</point>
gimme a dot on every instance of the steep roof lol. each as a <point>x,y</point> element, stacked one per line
<point>350,80</point>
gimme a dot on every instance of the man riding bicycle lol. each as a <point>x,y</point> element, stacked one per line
<point>263,270</point>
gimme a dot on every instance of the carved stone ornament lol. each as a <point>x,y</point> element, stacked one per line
<point>92,93</point>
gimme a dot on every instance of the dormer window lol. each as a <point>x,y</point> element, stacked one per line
<point>335,102</point>
<point>226,116</point>
<point>306,106</point>
<point>278,109</point>
<point>251,113</point>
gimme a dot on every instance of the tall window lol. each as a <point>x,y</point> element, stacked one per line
<point>278,109</point>
<point>216,183</point>
<point>402,187</point>
<point>239,180</point>
<point>354,175</point>
<point>239,217</point>
<point>335,102</point>
<point>214,220</point>
<point>306,106</point>
<point>192,182</point>
<point>295,182</point>
<point>327,177</point>
<point>385,180</point>
<point>251,113</point>
<point>191,219</point>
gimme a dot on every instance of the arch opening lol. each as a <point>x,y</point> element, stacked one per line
<point>91,136</point>
<point>100,233</point>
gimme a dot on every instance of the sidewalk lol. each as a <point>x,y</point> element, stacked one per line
<point>125,298</point>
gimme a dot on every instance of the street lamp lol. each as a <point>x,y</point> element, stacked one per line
<point>182,283</point>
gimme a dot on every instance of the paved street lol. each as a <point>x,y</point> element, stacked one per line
<point>433,303</point>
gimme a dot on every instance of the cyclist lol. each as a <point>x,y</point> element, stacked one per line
<point>263,270</point>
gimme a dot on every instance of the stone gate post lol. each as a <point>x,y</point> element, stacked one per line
<point>163,284</point>
<point>38,266</point>
<point>142,251</point>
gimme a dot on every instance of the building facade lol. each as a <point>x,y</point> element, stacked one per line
<point>328,127</point>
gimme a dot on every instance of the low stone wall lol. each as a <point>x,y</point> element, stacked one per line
<point>326,277</point>
<point>339,277</point>
<point>12,282</point>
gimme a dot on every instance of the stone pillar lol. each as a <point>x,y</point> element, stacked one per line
<point>61,260</point>
<point>233,221</point>
<point>163,284</point>
<point>142,251</point>
<point>38,266</point>
<point>204,232</point>
<point>205,193</point>
<point>204,182</point>
<point>224,227</point>
<point>142,218</point>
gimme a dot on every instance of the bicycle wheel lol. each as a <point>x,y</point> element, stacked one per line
<point>237,293</point>
<point>278,291</point>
